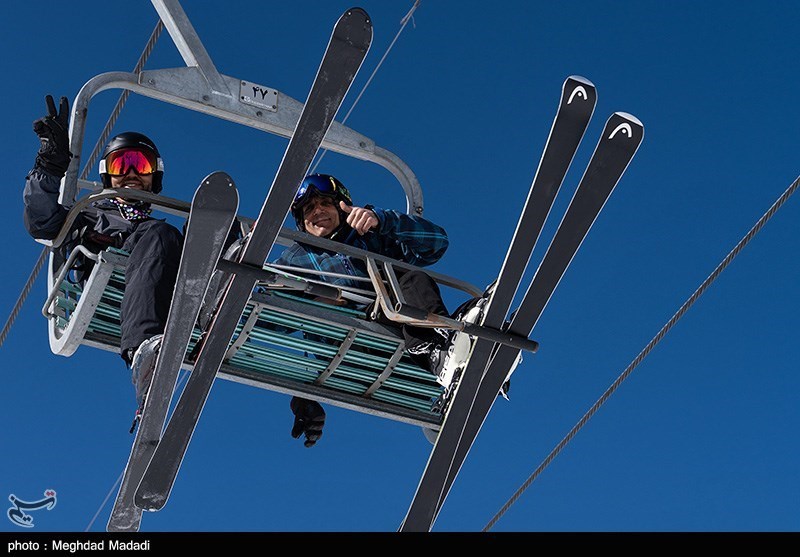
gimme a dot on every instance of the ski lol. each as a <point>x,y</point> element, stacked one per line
<point>345,53</point>
<point>578,100</point>
<point>575,109</point>
<point>616,148</point>
<point>212,212</point>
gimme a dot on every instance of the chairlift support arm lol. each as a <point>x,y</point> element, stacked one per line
<point>200,87</point>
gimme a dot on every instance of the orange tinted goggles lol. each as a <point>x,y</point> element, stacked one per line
<point>119,163</point>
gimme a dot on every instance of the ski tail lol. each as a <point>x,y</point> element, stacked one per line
<point>621,138</point>
<point>212,213</point>
<point>350,41</point>
<point>575,110</point>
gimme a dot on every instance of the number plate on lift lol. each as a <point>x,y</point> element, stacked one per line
<point>258,95</point>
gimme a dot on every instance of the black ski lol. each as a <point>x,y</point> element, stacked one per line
<point>575,109</point>
<point>578,100</point>
<point>212,213</point>
<point>346,50</point>
<point>621,138</point>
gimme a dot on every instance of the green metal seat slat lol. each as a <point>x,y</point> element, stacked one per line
<point>300,353</point>
<point>107,329</point>
<point>329,307</point>
<point>270,354</point>
<point>403,367</point>
<point>336,333</point>
<point>338,384</point>
<point>292,322</point>
<point>360,374</point>
<point>66,303</point>
<point>273,368</point>
<point>394,398</point>
<point>429,389</point>
<point>296,374</point>
<point>104,310</point>
<point>316,348</point>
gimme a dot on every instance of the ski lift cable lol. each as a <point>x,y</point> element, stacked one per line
<point>92,159</point>
<point>25,291</point>
<point>101,141</point>
<point>683,309</point>
<point>403,22</point>
<point>103,504</point>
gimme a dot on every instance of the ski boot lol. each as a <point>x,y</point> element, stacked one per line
<point>460,349</point>
<point>142,367</point>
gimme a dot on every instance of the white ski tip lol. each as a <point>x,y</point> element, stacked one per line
<point>630,117</point>
<point>581,79</point>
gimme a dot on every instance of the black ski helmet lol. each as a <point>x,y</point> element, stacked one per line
<point>128,140</point>
<point>323,185</point>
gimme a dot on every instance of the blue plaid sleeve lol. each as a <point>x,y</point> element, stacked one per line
<point>409,238</point>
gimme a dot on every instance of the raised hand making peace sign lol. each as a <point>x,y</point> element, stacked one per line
<point>54,152</point>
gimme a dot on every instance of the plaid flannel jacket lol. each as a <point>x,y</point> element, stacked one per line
<point>407,238</point>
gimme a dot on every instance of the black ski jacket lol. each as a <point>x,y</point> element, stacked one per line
<point>44,216</point>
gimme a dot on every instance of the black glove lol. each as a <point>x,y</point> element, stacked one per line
<point>54,152</point>
<point>309,417</point>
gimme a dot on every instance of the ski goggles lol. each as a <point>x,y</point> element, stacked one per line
<point>319,185</point>
<point>120,162</point>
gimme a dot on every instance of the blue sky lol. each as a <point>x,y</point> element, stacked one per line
<point>701,437</point>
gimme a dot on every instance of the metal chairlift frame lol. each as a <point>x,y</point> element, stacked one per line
<point>200,87</point>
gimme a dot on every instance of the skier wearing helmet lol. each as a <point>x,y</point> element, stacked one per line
<point>130,160</point>
<point>324,208</point>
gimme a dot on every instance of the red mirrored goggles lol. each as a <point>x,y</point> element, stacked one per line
<point>119,163</point>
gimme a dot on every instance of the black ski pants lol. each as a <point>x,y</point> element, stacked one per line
<point>419,291</point>
<point>155,253</point>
